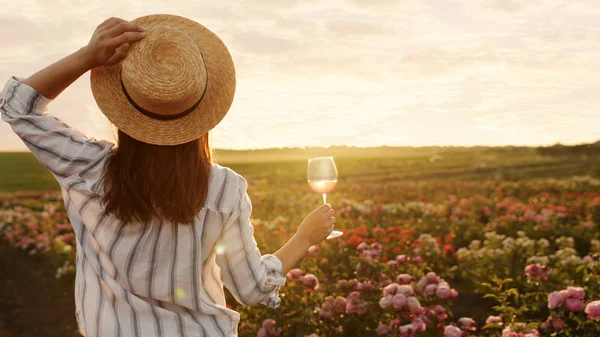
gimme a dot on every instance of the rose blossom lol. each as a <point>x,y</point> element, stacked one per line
<point>313,250</point>
<point>339,304</point>
<point>466,323</point>
<point>574,304</point>
<point>382,329</point>
<point>399,301</point>
<point>385,302</point>
<point>494,320</point>
<point>558,323</point>
<point>295,273</point>
<point>555,300</point>
<point>413,304</point>
<point>534,270</point>
<point>443,291</point>
<point>575,292</point>
<point>403,279</point>
<point>419,324</point>
<point>310,281</point>
<point>392,263</point>
<point>441,312</point>
<point>452,331</point>
<point>406,290</point>
<point>593,310</point>
<point>391,289</point>
<point>430,289</point>
<point>407,330</point>
<point>432,278</point>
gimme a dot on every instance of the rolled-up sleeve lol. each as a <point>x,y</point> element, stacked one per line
<point>251,277</point>
<point>61,149</point>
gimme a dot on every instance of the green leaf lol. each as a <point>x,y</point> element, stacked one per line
<point>491,326</point>
<point>490,296</point>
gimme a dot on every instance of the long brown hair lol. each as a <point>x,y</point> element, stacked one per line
<point>143,181</point>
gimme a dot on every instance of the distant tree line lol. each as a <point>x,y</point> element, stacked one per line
<point>582,150</point>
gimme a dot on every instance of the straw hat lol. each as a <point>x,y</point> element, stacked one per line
<point>174,85</point>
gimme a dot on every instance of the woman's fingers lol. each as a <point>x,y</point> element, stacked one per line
<point>122,27</point>
<point>110,22</point>
<point>119,54</point>
<point>128,37</point>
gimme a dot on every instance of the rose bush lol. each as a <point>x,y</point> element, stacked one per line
<point>407,261</point>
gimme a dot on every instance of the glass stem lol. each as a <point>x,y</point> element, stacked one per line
<point>324,198</point>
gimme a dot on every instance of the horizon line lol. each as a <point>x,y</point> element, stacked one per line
<point>378,146</point>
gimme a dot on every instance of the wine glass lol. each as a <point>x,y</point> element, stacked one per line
<point>322,178</point>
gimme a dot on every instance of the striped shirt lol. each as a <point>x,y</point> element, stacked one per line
<point>152,279</point>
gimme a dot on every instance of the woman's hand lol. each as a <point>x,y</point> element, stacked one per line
<point>110,42</point>
<point>317,225</point>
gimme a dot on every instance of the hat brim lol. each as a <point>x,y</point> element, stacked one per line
<point>220,90</point>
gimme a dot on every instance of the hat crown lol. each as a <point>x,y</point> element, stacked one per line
<point>164,72</point>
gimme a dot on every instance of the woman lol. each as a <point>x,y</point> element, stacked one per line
<point>160,228</point>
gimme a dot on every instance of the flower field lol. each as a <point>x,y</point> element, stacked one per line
<point>459,251</point>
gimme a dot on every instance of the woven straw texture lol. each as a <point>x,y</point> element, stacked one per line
<point>166,73</point>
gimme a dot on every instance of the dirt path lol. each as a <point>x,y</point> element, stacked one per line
<point>32,301</point>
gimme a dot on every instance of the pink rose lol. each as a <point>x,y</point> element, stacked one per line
<point>432,278</point>
<point>430,289</point>
<point>453,293</point>
<point>339,304</point>
<point>407,330</point>
<point>413,304</point>
<point>452,331</point>
<point>443,291</point>
<point>574,304</point>
<point>262,332</point>
<point>362,246</point>
<point>558,323</point>
<point>361,308</point>
<point>406,290</point>
<point>575,292</point>
<point>268,323</point>
<point>422,283</point>
<point>545,325</point>
<point>386,301</point>
<point>313,250</point>
<point>555,300</point>
<point>385,282</point>
<point>391,288</point>
<point>398,301</point>
<point>466,323</point>
<point>325,313</point>
<point>534,270</point>
<point>401,258</point>
<point>493,320</point>
<point>440,312</point>
<point>310,281</point>
<point>295,273</point>
<point>419,324</point>
<point>392,263</point>
<point>382,329</point>
<point>403,279</point>
<point>593,310</point>
<point>418,259</point>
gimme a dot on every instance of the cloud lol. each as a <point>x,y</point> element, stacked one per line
<point>360,72</point>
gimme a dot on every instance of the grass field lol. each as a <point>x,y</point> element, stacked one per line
<point>20,171</point>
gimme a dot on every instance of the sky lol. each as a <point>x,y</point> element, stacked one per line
<point>355,72</point>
